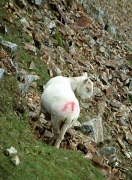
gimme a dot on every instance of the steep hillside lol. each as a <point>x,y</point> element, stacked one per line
<point>43,39</point>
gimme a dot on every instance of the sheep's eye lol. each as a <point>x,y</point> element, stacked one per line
<point>88,89</point>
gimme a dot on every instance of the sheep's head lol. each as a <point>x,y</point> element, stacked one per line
<point>85,88</point>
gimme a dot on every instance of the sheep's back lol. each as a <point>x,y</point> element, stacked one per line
<point>59,99</point>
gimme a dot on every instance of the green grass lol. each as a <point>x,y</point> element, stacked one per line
<point>59,39</point>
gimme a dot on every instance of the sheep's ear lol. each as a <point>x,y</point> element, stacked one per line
<point>85,74</point>
<point>86,80</point>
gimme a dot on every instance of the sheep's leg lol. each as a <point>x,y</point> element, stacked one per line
<point>60,137</point>
<point>52,142</point>
<point>56,134</point>
<point>56,130</point>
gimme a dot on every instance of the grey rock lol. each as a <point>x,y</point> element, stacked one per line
<point>102,49</point>
<point>11,151</point>
<point>25,23</point>
<point>130,86</point>
<point>111,29</point>
<point>51,26</point>
<point>9,46</point>
<point>25,86</point>
<point>36,2</point>
<point>1,73</point>
<point>90,40</point>
<point>108,151</point>
<point>100,11</point>
<point>113,161</point>
<point>97,92</point>
<point>15,160</point>
<point>97,127</point>
<point>31,49</point>
<point>100,19</point>
<point>48,134</point>
<point>122,122</point>
<point>115,103</point>
<point>104,78</point>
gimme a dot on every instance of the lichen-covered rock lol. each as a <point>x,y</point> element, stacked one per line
<point>9,46</point>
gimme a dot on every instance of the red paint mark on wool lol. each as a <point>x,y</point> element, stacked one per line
<point>72,105</point>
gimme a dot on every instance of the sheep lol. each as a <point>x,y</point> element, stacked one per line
<point>58,99</point>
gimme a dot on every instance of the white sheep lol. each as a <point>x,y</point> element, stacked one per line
<point>58,99</point>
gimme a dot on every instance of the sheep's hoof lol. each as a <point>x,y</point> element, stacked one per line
<point>57,145</point>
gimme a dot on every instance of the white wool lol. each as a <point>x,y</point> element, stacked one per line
<point>58,99</point>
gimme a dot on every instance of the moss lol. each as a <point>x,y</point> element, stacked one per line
<point>59,39</point>
<point>8,94</point>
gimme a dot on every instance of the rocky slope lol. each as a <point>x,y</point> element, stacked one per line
<point>72,37</point>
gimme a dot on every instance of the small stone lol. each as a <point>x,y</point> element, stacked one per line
<point>28,80</point>
<point>1,73</point>
<point>31,49</point>
<point>104,78</point>
<point>36,2</point>
<point>11,151</point>
<point>115,103</point>
<point>108,151</point>
<point>130,87</point>
<point>32,65</point>
<point>97,158</point>
<point>51,25</point>
<point>48,134</point>
<point>9,46</point>
<point>97,92</point>
<point>112,159</point>
<point>25,23</point>
<point>122,122</point>
<point>102,49</point>
<point>34,84</point>
<point>123,77</point>
<point>90,40</point>
<point>15,160</point>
